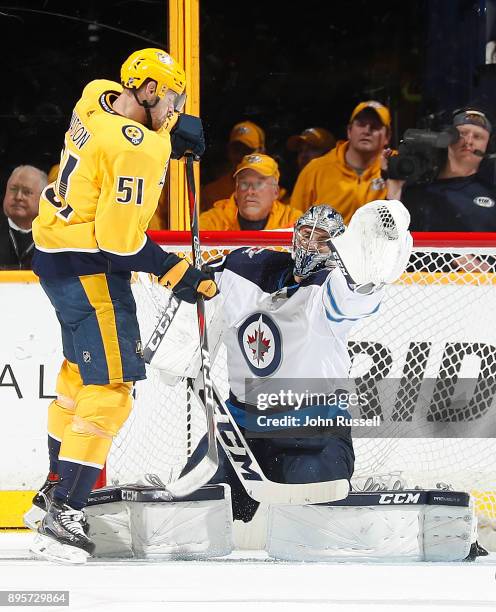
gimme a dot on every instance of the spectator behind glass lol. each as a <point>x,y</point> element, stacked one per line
<point>459,199</point>
<point>53,172</point>
<point>311,143</point>
<point>245,138</point>
<point>20,207</point>
<point>349,175</point>
<point>254,205</point>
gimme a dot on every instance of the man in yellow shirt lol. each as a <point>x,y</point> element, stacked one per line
<point>310,144</point>
<point>245,138</point>
<point>254,205</point>
<point>89,235</point>
<point>349,175</point>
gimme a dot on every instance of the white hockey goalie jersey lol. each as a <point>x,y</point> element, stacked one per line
<point>276,328</point>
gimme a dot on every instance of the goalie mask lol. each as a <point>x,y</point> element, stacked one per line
<point>311,235</point>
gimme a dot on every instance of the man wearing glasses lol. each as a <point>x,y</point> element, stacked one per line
<point>254,205</point>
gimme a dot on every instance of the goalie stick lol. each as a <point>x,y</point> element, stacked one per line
<point>247,468</point>
<point>249,472</point>
<point>207,467</point>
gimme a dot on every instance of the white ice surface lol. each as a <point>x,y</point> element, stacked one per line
<point>250,581</point>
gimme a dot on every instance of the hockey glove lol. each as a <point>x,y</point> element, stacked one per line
<point>187,135</point>
<point>187,282</point>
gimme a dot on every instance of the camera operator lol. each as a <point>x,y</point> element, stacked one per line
<point>458,198</point>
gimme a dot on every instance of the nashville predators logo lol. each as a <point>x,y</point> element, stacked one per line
<point>133,133</point>
<point>165,58</point>
<point>254,159</point>
<point>377,184</point>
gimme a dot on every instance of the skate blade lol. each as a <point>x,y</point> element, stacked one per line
<point>50,549</point>
<point>33,517</point>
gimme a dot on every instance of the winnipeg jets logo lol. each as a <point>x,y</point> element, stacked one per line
<point>260,342</point>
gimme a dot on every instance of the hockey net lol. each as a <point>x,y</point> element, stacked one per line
<point>436,323</point>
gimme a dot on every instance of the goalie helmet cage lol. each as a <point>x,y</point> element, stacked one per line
<point>437,321</point>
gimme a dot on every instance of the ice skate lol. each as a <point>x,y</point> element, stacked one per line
<point>61,537</point>
<point>41,501</point>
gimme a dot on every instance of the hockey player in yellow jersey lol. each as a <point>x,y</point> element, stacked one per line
<point>89,236</point>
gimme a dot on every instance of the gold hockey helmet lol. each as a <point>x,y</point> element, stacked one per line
<point>153,64</point>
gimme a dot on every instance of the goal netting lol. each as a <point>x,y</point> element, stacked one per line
<point>428,358</point>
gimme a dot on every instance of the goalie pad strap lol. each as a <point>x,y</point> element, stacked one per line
<point>143,493</point>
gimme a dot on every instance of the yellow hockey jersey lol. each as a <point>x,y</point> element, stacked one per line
<point>93,218</point>
<point>329,180</point>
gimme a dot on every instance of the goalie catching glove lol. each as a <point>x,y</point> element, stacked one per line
<point>187,282</point>
<point>376,246</point>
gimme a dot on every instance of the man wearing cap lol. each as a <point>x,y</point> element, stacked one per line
<point>349,175</point>
<point>245,138</point>
<point>459,199</point>
<point>254,205</point>
<point>311,143</point>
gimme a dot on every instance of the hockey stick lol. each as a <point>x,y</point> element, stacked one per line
<point>232,441</point>
<point>207,467</point>
<point>250,474</point>
<point>239,454</point>
<point>160,329</point>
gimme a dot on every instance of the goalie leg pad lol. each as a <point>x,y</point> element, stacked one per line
<point>110,529</point>
<point>395,526</point>
<point>198,526</point>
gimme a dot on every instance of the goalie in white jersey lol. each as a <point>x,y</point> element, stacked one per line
<point>288,317</point>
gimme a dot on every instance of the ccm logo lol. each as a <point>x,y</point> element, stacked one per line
<point>399,498</point>
<point>129,495</point>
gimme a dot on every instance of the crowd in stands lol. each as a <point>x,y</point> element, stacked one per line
<point>344,174</point>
